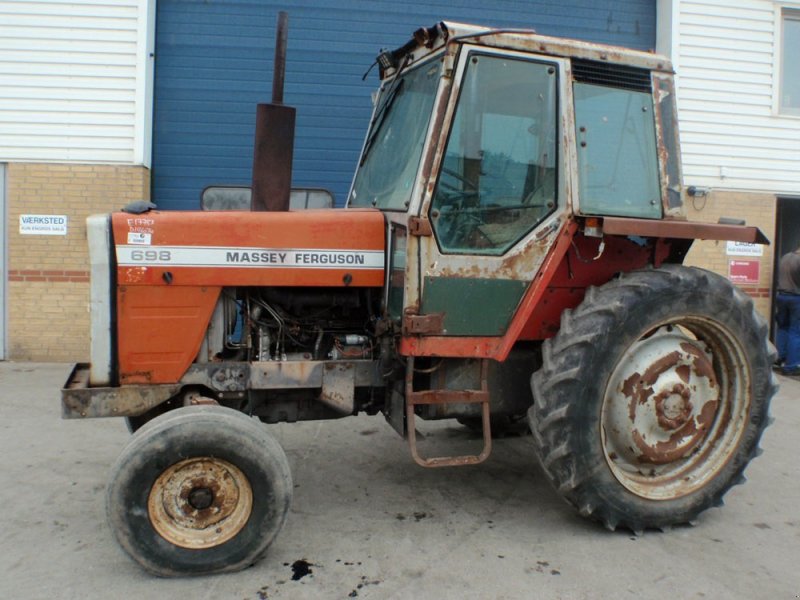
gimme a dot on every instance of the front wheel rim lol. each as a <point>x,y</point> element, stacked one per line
<point>675,408</point>
<point>200,503</point>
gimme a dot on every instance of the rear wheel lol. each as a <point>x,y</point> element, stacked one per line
<point>199,490</point>
<point>652,397</point>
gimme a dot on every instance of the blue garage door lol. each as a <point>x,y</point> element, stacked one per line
<point>214,64</point>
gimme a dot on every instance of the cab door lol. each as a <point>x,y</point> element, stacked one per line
<point>497,195</point>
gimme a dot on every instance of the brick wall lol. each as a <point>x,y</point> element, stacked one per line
<point>756,209</point>
<point>48,287</point>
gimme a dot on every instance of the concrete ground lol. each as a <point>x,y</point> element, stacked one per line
<point>374,525</point>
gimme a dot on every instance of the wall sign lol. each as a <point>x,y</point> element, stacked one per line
<point>744,249</point>
<point>43,224</point>
<point>743,271</point>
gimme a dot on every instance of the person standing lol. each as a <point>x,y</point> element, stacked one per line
<point>788,313</point>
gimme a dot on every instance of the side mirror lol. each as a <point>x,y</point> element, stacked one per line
<point>237,197</point>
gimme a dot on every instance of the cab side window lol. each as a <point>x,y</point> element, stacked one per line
<point>616,135</point>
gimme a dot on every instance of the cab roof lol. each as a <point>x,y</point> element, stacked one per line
<point>428,40</point>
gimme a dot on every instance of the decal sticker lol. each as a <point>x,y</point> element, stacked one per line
<point>205,256</point>
<point>141,239</point>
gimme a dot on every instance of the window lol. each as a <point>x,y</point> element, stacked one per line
<point>790,67</point>
<point>392,152</point>
<point>617,162</point>
<point>498,175</point>
<point>397,272</point>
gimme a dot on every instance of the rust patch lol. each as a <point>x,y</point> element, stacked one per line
<point>702,366</point>
<point>631,388</point>
<point>658,367</point>
<point>677,446</point>
<point>629,385</point>
<point>521,265</point>
<point>672,416</point>
<point>683,371</point>
<point>419,226</point>
<point>639,388</point>
<point>414,324</point>
<point>706,417</point>
<point>470,272</point>
<point>221,503</point>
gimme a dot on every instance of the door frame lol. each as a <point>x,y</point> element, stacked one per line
<point>781,202</point>
<point>3,259</point>
<point>522,261</point>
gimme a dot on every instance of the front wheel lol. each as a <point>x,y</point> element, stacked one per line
<point>199,490</point>
<point>652,397</point>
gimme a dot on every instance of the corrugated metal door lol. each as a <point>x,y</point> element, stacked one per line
<point>214,63</point>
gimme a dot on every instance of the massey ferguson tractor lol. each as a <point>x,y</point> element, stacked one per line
<point>511,249</point>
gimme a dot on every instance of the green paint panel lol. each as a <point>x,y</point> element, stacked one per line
<point>473,306</point>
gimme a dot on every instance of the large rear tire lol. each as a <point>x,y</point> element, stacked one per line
<point>199,490</point>
<point>652,397</point>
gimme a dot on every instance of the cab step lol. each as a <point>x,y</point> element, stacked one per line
<point>424,397</point>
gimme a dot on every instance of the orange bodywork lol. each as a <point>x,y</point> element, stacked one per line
<point>172,266</point>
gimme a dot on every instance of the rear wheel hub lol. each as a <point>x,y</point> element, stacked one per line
<point>665,410</point>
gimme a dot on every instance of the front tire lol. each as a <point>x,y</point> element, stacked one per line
<point>199,490</point>
<point>652,397</point>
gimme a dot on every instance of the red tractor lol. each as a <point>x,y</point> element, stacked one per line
<point>511,251</point>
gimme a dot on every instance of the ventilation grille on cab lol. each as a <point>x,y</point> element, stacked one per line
<point>618,76</point>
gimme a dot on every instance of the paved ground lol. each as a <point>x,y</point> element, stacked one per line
<point>374,525</point>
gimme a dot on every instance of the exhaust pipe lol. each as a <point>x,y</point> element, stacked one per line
<point>274,139</point>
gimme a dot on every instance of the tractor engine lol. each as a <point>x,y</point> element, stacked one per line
<point>304,326</point>
<point>289,324</point>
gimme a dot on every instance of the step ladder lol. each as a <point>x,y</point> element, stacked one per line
<point>448,397</point>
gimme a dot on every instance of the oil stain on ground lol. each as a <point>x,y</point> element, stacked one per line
<point>301,568</point>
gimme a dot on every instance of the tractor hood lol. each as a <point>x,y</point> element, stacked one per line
<point>304,248</point>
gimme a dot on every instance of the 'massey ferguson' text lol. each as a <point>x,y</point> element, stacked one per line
<point>300,258</point>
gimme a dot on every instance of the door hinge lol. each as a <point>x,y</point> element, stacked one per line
<point>419,226</point>
<point>415,324</point>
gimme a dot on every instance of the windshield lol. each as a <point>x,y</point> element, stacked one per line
<point>393,148</point>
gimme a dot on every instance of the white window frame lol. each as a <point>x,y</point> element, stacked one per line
<point>783,11</point>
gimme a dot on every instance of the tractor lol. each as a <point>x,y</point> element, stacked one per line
<point>511,251</point>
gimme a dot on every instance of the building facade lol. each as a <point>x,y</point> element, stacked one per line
<point>75,101</point>
<point>738,88</point>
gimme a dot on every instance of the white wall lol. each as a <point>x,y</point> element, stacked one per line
<point>727,56</point>
<point>75,80</point>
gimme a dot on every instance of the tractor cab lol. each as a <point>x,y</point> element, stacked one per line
<point>485,146</point>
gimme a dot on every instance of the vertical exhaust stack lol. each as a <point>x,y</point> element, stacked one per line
<point>274,140</point>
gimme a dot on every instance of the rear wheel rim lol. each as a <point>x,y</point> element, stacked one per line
<point>200,503</point>
<point>675,408</point>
